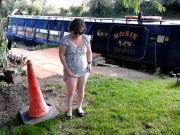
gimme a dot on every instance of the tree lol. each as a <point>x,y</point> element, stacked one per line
<point>3,43</point>
<point>22,5</point>
<point>102,7</point>
<point>63,11</point>
<point>136,5</point>
<point>7,7</point>
<point>43,8</point>
<point>168,2</point>
<point>76,10</point>
<point>35,7</point>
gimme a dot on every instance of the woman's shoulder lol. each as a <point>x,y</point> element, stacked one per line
<point>84,36</point>
<point>65,39</point>
<point>86,39</point>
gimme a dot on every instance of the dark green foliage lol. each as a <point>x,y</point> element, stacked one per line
<point>76,11</point>
<point>93,8</point>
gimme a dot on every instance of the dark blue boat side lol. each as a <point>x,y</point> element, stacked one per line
<point>153,42</point>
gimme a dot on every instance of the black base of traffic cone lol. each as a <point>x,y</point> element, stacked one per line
<point>53,112</point>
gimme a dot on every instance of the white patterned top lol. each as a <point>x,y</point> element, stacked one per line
<point>76,58</point>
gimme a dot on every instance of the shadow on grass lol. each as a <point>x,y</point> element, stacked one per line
<point>175,84</point>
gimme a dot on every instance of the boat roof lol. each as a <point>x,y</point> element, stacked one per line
<point>101,20</point>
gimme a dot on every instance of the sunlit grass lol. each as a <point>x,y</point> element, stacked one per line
<point>118,107</point>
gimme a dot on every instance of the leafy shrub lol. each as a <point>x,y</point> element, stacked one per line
<point>3,46</point>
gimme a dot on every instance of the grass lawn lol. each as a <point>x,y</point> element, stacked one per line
<point>118,107</point>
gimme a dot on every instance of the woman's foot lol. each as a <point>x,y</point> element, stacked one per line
<point>80,112</point>
<point>69,115</point>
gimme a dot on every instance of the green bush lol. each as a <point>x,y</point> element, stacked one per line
<point>3,46</point>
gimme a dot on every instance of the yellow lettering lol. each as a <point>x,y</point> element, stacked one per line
<point>116,35</point>
<point>121,34</point>
<point>131,34</point>
<point>135,36</point>
<point>126,33</point>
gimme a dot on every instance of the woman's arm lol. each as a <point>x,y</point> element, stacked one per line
<point>62,52</point>
<point>89,57</point>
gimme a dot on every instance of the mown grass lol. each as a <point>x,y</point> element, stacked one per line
<point>118,107</point>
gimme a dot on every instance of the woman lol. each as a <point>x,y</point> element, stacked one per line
<point>76,56</point>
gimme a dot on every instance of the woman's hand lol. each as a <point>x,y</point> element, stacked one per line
<point>70,73</point>
<point>89,68</point>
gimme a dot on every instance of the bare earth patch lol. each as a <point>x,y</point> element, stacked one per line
<point>14,97</point>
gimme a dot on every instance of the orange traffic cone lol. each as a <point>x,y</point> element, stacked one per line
<point>37,104</point>
<point>37,111</point>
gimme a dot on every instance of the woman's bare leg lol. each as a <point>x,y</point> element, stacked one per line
<point>71,84</point>
<point>80,89</point>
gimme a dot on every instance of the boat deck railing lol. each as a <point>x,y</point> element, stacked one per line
<point>127,20</point>
<point>88,19</point>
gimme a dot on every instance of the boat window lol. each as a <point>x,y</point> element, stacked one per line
<point>41,33</point>
<point>20,30</point>
<point>13,28</point>
<point>29,32</point>
<point>9,25</point>
<point>54,35</point>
